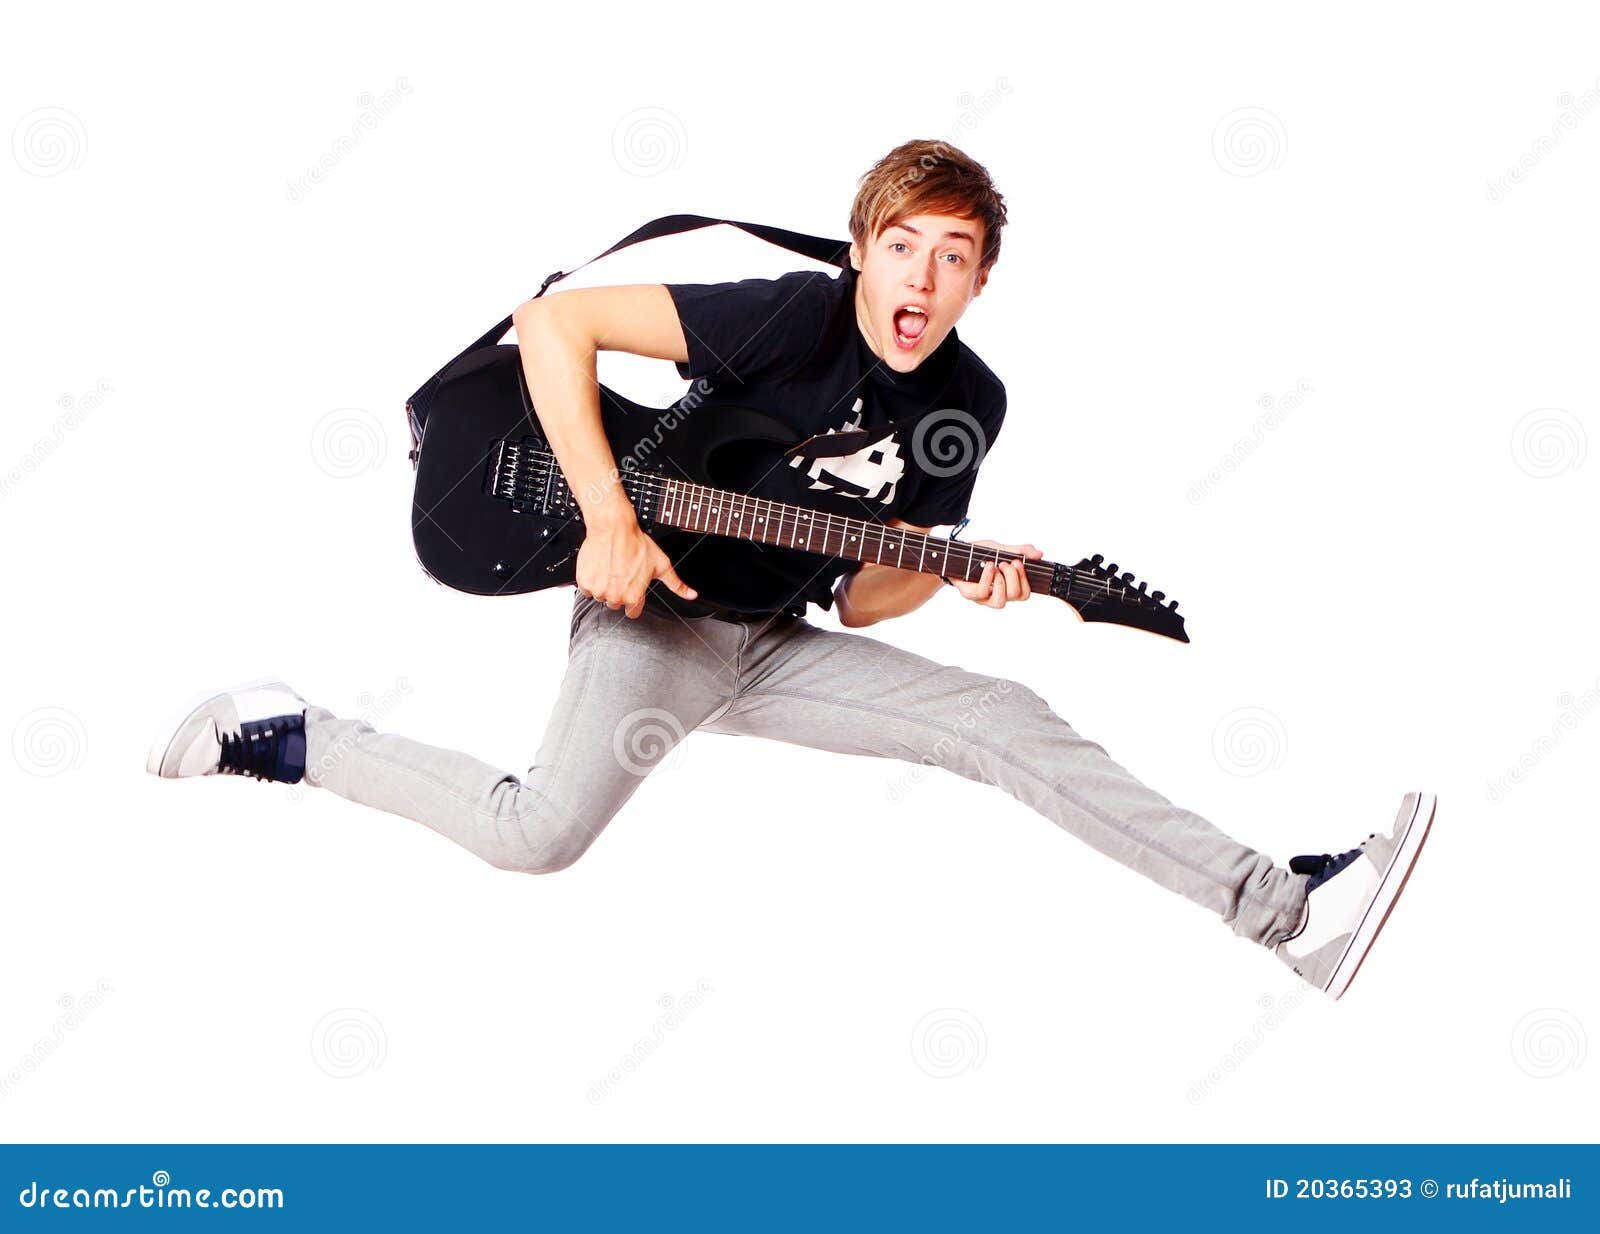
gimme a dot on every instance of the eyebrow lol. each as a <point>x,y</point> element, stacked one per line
<point>949,235</point>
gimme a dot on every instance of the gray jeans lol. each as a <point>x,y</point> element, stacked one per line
<point>635,687</point>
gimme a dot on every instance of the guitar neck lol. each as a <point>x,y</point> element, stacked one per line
<point>696,507</point>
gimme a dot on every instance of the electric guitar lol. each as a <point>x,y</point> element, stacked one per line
<point>492,513</point>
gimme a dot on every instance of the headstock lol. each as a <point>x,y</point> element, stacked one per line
<point>1099,593</point>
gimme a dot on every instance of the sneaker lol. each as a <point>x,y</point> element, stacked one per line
<point>256,729</point>
<point>1352,898</point>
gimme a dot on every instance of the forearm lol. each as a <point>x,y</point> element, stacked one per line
<point>558,360</point>
<point>876,593</point>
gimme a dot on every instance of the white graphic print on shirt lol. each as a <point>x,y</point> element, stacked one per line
<point>871,473</point>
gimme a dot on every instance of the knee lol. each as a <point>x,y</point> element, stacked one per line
<point>539,862</point>
<point>524,832</point>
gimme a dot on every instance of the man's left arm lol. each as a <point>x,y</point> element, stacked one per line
<point>876,593</point>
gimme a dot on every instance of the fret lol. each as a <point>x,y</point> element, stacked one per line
<point>698,507</point>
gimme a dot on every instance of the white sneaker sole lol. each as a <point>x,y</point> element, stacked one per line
<point>168,734</point>
<point>1389,889</point>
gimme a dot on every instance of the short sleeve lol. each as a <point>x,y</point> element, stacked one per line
<point>752,330</point>
<point>942,500</point>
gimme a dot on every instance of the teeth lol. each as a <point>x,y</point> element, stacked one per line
<point>912,308</point>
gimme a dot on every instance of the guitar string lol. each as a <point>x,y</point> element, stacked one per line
<point>704,493</point>
<point>661,486</point>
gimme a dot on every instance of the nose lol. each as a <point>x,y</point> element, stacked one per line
<point>920,276</point>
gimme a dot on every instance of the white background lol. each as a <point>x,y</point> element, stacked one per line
<point>1389,584</point>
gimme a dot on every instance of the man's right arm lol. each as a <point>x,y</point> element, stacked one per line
<point>559,337</point>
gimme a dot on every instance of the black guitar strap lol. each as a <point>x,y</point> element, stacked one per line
<point>833,252</point>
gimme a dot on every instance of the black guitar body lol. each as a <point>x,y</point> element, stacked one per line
<point>470,542</point>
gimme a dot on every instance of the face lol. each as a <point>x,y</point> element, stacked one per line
<point>927,262</point>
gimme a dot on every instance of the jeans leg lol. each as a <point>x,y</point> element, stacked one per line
<point>852,694</point>
<point>633,689</point>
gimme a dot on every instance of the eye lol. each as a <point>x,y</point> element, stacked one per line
<point>958,258</point>
<point>897,244</point>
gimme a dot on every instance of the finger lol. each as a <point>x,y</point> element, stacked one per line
<point>997,596</point>
<point>635,608</point>
<point>671,579</point>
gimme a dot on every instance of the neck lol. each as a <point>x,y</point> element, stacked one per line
<point>697,507</point>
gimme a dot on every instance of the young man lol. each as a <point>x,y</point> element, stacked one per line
<point>719,641</point>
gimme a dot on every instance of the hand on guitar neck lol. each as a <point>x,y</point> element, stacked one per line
<point>998,585</point>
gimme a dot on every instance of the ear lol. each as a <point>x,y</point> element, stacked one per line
<point>983,278</point>
<point>855,256</point>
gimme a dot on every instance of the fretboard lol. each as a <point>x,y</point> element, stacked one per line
<point>696,507</point>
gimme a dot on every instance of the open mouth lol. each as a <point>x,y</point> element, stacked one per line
<point>910,323</point>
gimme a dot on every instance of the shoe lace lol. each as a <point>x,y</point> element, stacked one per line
<point>1323,866</point>
<point>258,748</point>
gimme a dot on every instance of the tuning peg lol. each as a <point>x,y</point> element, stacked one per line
<point>1128,578</point>
<point>1112,569</point>
<point>1141,589</point>
<point>1173,607</point>
<point>1158,596</point>
<point>1096,559</point>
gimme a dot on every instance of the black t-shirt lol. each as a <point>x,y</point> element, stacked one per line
<point>791,347</point>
